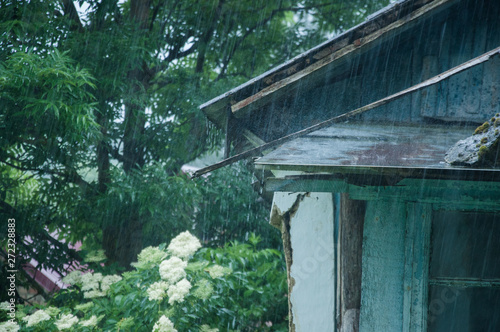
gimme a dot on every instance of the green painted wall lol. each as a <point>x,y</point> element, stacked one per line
<point>383,267</point>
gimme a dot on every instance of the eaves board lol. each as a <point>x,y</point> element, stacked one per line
<point>443,194</point>
<point>388,22</point>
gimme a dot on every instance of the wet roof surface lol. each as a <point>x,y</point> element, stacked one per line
<point>358,144</point>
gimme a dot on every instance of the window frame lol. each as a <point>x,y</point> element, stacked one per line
<point>417,263</point>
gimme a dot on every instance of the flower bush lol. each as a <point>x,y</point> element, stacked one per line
<point>178,287</point>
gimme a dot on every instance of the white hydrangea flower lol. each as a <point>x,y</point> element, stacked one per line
<point>204,289</point>
<point>157,290</point>
<point>149,256</point>
<point>9,326</point>
<point>73,278</point>
<point>95,256</point>
<point>95,285</point>
<point>85,306</point>
<point>177,292</point>
<point>207,328</point>
<point>125,324</point>
<point>92,294</point>
<point>52,311</point>
<point>92,321</point>
<point>5,306</point>
<point>164,325</point>
<point>66,322</point>
<point>90,281</point>
<point>172,269</point>
<point>184,245</point>
<point>107,281</point>
<point>217,271</point>
<point>35,318</point>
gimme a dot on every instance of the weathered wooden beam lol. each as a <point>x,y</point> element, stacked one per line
<point>352,217</point>
<point>460,193</point>
<point>465,282</point>
<point>434,80</point>
<point>227,142</point>
<point>252,138</point>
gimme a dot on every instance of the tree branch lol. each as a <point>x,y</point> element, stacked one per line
<point>71,12</point>
<point>261,23</point>
<point>206,38</point>
<point>72,176</point>
<point>8,208</point>
<point>70,253</point>
<point>242,38</point>
<point>115,153</point>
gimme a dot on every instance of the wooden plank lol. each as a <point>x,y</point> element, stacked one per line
<point>430,67</point>
<point>465,282</point>
<point>400,75</point>
<point>227,141</point>
<point>490,94</point>
<point>417,247</point>
<point>383,266</point>
<point>434,80</point>
<point>416,63</point>
<point>348,97</point>
<point>461,48</point>
<point>374,81</point>
<point>265,95</point>
<point>408,274</point>
<point>475,75</point>
<point>352,216</point>
<point>429,95</point>
<point>252,138</point>
<point>444,63</point>
<point>444,194</point>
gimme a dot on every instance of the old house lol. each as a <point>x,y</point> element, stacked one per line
<point>390,221</point>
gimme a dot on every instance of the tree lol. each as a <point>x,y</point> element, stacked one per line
<point>100,108</point>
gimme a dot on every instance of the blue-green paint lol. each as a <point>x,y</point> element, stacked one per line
<point>383,267</point>
<point>418,228</point>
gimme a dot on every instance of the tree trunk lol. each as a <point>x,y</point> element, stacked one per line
<point>103,176</point>
<point>123,242</point>
<point>203,46</point>
<point>133,149</point>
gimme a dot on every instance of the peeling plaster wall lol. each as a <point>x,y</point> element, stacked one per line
<point>307,224</point>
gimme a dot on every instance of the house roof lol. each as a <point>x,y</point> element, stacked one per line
<point>409,151</point>
<point>381,64</point>
<point>379,26</point>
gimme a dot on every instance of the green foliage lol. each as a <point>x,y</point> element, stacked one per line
<point>47,108</point>
<point>230,209</point>
<point>237,287</point>
<point>46,126</point>
<point>99,112</point>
